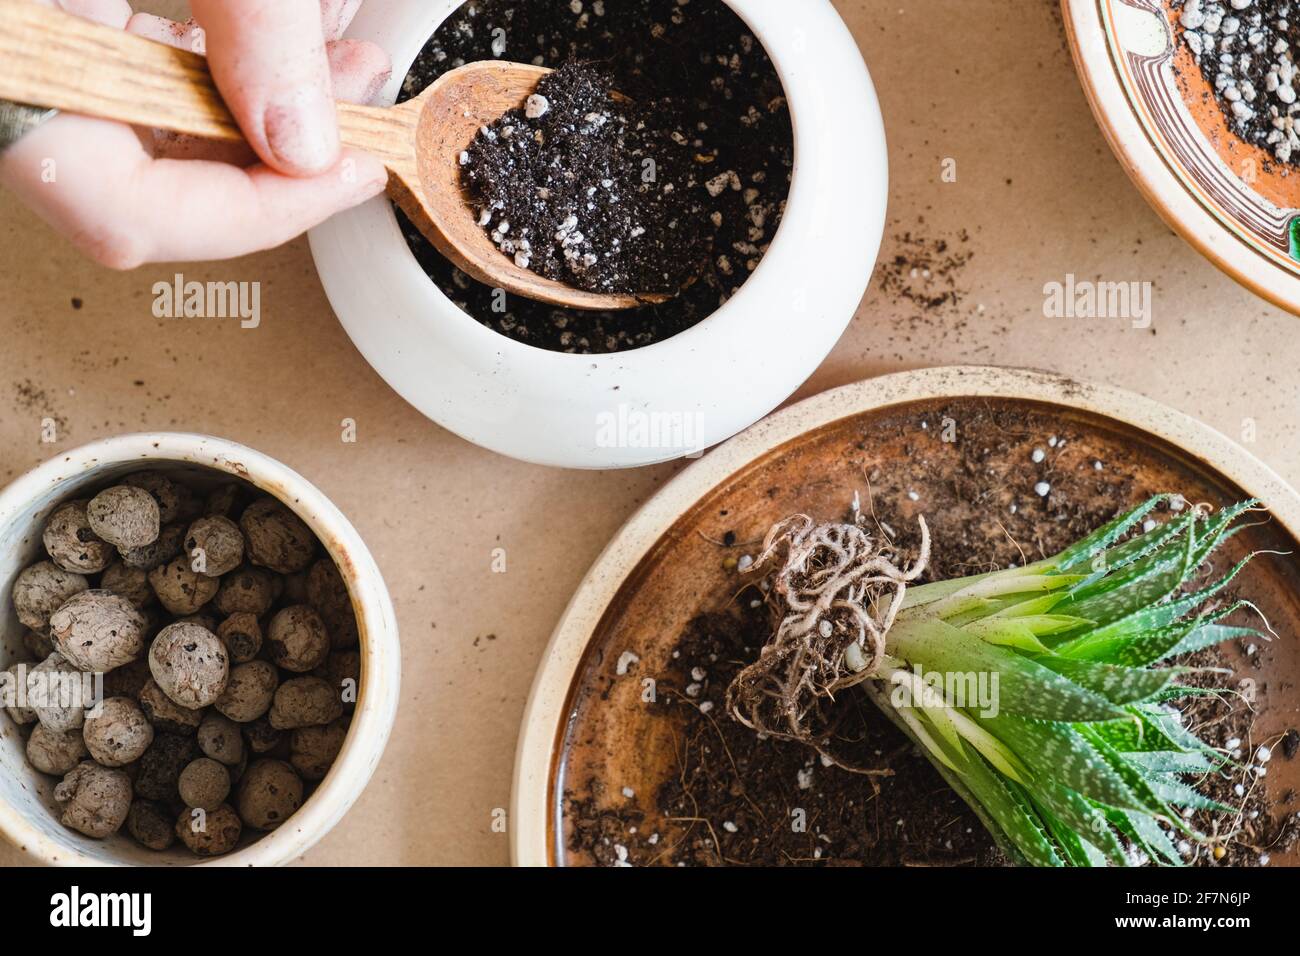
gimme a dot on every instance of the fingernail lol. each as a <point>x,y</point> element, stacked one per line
<point>302,129</point>
<point>374,176</point>
<point>377,83</point>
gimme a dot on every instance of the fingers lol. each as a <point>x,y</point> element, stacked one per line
<point>163,210</point>
<point>164,143</point>
<point>269,62</point>
<point>275,70</point>
<point>336,15</point>
<point>218,211</point>
<point>183,36</point>
<point>358,70</point>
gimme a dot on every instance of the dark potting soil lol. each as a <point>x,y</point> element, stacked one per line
<point>711,85</point>
<point>1248,58</point>
<point>594,192</point>
<point>1260,827</point>
<point>736,797</point>
<point>794,807</point>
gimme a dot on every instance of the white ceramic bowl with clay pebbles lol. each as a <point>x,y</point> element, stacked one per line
<point>690,390</point>
<point>29,813</point>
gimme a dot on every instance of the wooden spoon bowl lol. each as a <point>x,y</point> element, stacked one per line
<point>421,140</point>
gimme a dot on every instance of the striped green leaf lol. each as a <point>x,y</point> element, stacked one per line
<point>1024,686</point>
<point>1101,640</point>
<point>1119,685</point>
<point>1059,753</point>
<point>1106,535</point>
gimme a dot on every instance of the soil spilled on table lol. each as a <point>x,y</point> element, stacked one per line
<point>1024,486</point>
<point>716,95</point>
<point>925,272</point>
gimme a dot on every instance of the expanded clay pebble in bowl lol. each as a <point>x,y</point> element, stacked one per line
<point>176,697</point>
<point>99,631</point>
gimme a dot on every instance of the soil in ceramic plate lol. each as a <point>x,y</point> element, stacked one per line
<point>652,770</point>
<point>714,94</point>
<point>1241,146</point>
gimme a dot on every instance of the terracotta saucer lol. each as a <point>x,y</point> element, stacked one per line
<point>898,442</point>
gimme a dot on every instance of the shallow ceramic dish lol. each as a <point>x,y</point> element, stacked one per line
<point>27,817</point>
<point>586,722</point>
<point>716,378</point>
<point>1225,196</point>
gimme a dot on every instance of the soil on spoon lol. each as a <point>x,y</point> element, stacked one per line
<point>716,94</point>
<point>591,190</point>
<point>737,799</point>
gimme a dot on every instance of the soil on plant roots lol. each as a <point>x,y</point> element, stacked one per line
<point>737,799</point>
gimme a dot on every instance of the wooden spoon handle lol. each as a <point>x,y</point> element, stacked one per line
<point>54,59</point>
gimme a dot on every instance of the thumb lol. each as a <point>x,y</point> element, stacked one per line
<point>269,61</point>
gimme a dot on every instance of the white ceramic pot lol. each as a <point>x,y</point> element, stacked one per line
<point>709,382</point>
<point>27,817</point>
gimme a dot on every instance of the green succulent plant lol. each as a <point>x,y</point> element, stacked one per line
<point>1081,757</point>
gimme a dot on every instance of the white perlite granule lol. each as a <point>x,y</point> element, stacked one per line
<point>536,106</point>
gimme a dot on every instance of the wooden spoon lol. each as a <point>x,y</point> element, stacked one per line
<point>53,59</point>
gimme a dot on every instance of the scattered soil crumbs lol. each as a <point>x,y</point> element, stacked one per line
<point>31,399</point>
<point>712,85</point>
<point>924,272</point>
<point>1022,486</point>
<point>561,186</point>
<point>923,276</point>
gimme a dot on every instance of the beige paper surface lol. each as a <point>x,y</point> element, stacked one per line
<point>987,83</point>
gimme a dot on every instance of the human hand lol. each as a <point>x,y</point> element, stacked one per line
<point>126,197</point>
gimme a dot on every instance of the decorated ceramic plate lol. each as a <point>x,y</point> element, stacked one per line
<point>1212,160</point>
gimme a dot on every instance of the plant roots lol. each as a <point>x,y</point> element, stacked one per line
<point>836,591</point>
